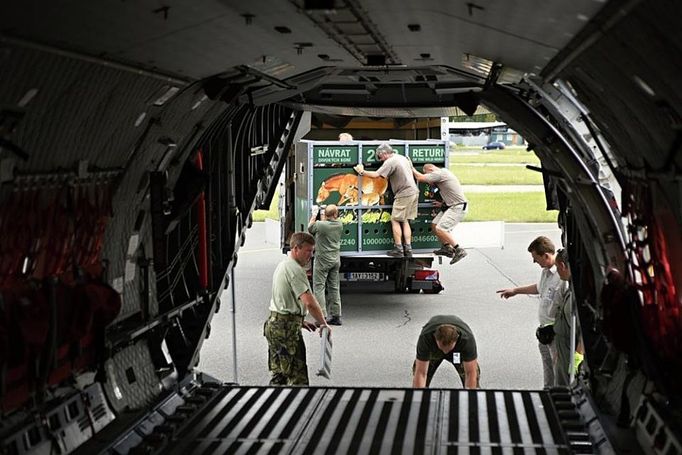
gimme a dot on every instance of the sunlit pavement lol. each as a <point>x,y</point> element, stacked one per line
<point>376,344</point>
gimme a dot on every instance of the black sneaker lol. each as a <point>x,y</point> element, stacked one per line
<point>334,320</point>
<point>445,251</point>
<point>395,252</point>
<point>407,251</point>
<point>457,255</point>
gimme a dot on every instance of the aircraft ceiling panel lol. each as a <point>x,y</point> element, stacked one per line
<point>636,108</point>
<point>196,40</point>
<point>523,34</point>
<point>191,39</point>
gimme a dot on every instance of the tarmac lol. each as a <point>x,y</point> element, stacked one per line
<point>375,346</point>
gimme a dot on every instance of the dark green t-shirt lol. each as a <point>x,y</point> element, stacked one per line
<point>327,240</point>
<point>427,349</point>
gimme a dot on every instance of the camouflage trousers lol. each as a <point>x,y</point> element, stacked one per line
<point>286,350</point>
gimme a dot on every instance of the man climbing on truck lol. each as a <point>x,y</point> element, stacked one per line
<point>327,234</point>
<point>398,170</point>
<point>453,208</point>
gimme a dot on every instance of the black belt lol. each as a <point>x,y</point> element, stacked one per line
<point>444,207</point>
<point>276,315</point>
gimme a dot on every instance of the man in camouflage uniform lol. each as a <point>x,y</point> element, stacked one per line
<point>291,300</point>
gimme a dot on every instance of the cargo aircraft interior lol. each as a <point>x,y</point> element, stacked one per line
<point>138,137</point>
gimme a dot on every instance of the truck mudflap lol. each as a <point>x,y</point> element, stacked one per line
<point>311,420</point>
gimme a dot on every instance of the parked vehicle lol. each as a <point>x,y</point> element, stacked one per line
<point>325,175</point>
<point>494,146</point>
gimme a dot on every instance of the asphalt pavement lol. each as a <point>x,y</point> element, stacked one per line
<point>376,344</point>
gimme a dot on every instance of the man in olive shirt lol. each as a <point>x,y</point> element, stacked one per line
<point>567,340</point>
<point>449,338</point>
<point>398,170</point>
<point>291,300</point>
<point>327,234</point>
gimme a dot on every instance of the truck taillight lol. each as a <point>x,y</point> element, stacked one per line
<point>426,274</point>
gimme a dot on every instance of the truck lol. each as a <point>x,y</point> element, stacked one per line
<point>319,173</point>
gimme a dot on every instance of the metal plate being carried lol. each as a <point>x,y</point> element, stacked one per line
<point>325,354</point>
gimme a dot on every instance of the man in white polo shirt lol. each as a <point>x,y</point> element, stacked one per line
<point>544,254</point>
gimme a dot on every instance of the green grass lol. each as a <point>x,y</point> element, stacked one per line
<point>509,207</point>
<point>508,155</point>
<point>495,175</point>
<point>271,213</point>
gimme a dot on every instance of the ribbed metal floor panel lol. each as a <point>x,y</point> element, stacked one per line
<point>255,420</point>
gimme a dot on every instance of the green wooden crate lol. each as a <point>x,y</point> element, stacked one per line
<point>376,230</point>
<point>340,186</point>
<point>327,185</point>
<point>369,154</point>
<point>349,237</point>
<point>427,153</point>
<point>422,236</point>
<point>336,155</point>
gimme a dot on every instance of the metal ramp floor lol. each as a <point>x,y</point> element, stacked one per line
<point>282,420</point>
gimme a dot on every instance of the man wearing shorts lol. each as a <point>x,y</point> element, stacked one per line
<point>453,208</point>
<point>398,170</point>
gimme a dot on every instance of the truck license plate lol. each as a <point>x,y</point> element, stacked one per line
<point>364,276</point>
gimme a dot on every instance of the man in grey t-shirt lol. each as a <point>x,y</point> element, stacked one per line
<point>453,208</point>
<point>398,170</point>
